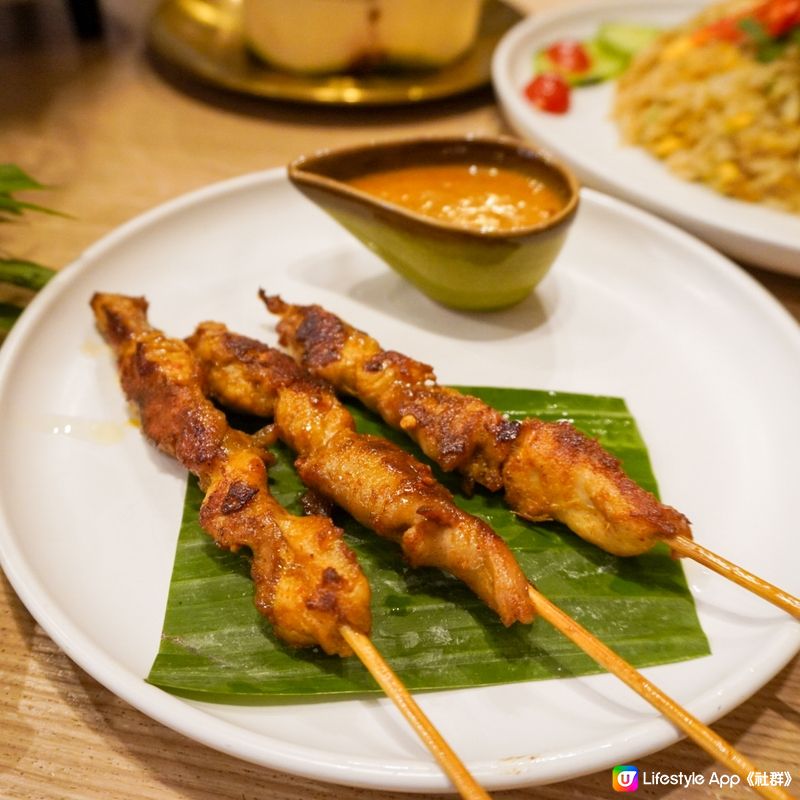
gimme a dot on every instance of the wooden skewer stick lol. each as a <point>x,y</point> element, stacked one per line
<point>686,547</point>
<point>711,742</point>
<point>467,787</point>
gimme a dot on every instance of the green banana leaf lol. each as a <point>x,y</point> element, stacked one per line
<point>430,628</point>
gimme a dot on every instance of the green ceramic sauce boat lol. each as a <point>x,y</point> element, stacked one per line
<point>464,268</point>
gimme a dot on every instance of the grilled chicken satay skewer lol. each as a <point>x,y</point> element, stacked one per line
<point>387,490</point>
<point>379,484</point>
<point>307,580</point>
<point>549,470</point>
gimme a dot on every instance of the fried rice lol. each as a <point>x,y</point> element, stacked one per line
<point>716,114</point>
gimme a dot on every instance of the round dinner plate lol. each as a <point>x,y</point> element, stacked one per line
<point>588,139</point>
<point>707,361</point>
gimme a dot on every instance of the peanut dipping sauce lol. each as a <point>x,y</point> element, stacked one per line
<point>472,196</point>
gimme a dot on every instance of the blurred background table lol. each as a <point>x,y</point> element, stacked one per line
<point>114,134</point>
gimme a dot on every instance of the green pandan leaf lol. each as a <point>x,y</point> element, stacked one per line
<point>14,179</point>
<point>25,274</point>
<point>9,314</point>
<point>432,630</point>
<point>10,205</point>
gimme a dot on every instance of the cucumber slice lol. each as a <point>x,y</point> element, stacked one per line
<point>604,65</point>
<point>610,52</point>
<point>626,38</point>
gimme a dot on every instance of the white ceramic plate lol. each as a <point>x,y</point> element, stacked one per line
<point>633,307</point>
<point>588,139</point>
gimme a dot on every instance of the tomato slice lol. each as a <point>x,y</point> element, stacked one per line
<point>569,55</point>
<point>779,16</point>
<point>723,30</point>
<point>549,92</point>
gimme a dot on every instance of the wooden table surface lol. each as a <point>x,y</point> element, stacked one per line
<point>114,135</point>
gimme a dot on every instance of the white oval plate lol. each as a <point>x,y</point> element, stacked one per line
<point>633,307</point>
<point>587,138</point>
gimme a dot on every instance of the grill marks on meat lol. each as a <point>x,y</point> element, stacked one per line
<point>549,470</point>
<point>557,472</point>
<point>226,361</point>
<point>458,432</point>
<point>307,581</point>
<point>379,484</point>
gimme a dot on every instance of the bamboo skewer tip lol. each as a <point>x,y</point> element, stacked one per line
<point>699,732</point>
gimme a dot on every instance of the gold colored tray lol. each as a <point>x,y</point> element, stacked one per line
<point>204,38</point>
